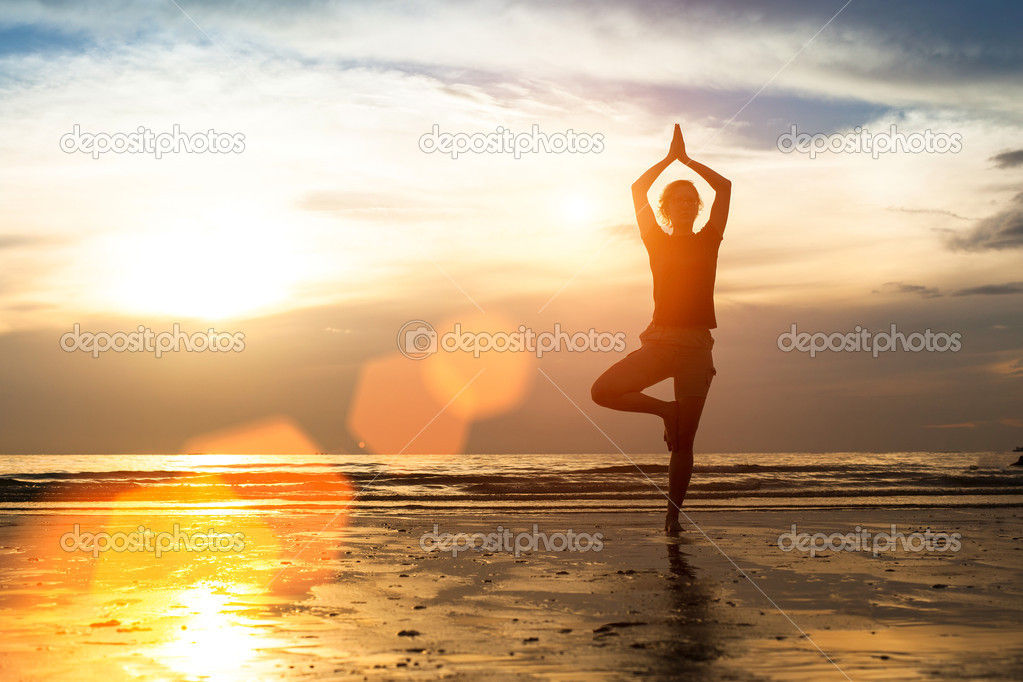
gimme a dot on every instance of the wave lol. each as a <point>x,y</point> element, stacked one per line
<point>478,480</point>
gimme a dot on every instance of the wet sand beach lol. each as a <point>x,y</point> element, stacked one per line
<point>313,596</point>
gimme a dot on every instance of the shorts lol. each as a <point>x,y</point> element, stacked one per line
<point>680,353</point>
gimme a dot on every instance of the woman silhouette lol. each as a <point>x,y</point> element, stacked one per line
<point>678,343</point>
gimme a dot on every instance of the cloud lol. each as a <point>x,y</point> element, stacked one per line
<point>903,288</point>
<point>378,206</point>
<point>1009,368</point>
<point>14,241</point>
<point>992,289</point>
<point>909,54</point>
<point>1004,230</point>
<point>934,211</point>
<point>1009,159</point>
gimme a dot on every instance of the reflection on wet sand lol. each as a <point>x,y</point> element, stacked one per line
<point>694,639</point>
<point>182,579</point>
<point>192,613</point>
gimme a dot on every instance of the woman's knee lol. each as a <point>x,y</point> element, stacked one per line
<point>686,436</point>
<point>690,410</point>
<point>601,392</point>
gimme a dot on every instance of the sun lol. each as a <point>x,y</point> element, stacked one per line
<point>220,264</point>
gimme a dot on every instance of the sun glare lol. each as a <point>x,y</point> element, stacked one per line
<point>213,642</point>
<point>576,208</point>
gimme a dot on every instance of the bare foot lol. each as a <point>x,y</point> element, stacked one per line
<point>671,427</point>
<point>671,525</point>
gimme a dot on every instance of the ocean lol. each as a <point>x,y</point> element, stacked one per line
<point>109,484</point>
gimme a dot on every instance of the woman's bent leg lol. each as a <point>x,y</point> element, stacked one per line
<point>621,386</point>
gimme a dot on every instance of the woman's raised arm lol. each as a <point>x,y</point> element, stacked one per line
<point>721,185</point>
<point>640,188</point>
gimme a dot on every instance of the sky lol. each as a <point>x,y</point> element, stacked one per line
<point>324,223</point>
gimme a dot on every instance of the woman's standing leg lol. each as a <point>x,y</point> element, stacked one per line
<point>680,468</point>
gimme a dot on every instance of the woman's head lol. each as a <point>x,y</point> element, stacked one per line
<point>679,204</point>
